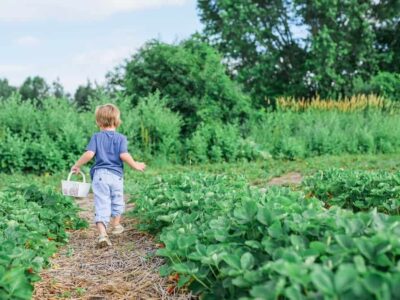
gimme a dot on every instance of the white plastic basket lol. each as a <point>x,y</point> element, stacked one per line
<point>75,188</point>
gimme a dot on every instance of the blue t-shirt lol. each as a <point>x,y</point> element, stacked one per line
<point>108,145</point>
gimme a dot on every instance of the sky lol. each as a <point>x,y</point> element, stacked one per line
<point>79,40</point>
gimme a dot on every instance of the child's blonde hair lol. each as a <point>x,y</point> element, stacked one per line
<point>108,115</point>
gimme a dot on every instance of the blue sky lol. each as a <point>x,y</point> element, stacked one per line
<point>77,40</point>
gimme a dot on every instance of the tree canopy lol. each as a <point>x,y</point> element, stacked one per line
<point>301,47</point>
<point>190,76</point>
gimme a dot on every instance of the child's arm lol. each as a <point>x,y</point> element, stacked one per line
<point>126,157</point>
<point>85,158</point>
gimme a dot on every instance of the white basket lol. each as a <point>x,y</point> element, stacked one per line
<point>75,188</point>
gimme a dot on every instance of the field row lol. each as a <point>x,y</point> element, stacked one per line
<point>226,240</point>
<point>33,223</point>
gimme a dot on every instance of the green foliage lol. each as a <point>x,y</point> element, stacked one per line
<point>217,142</point>
<point>43,139</point>
<point>6,90</point>
<point>303,47</point>
<point>287,134</point>
<point>228,241</point>
<point>152,128</point>
<point>342,44</point>
<point>383,84</point>
<point>356,190</point>
<point>84,94</point>
<point>34,88</point>
<point>191,78</point>
<point>33,222</point>
<point>258,39</point>
<point>51,137</point>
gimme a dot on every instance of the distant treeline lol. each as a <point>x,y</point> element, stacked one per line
<point>267,49</point>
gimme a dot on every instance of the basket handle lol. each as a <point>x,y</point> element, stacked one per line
<point>80,172</point>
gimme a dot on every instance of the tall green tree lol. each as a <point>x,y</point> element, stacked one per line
<point>342,44</point>
<point>6,89</point>
<point>303,47</point>
<point>34,88</point>
<point>83,96</point>
<point>386,14</point>
<point>258,40</point>
<point>57,90</point>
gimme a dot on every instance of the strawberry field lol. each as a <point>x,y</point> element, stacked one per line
<point>268,131</point>
<point>227,240</point>
<point>33,223</point>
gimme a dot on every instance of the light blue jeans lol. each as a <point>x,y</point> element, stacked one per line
<point>108,189</point>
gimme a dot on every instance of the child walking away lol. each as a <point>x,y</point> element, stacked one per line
<point>111,151</point>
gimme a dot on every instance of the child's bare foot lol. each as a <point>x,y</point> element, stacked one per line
<point>117,229</point>
<point>103,241</point>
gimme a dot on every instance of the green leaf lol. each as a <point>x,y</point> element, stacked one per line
<point>344,277</point>
<point>360,264</point>
<point>247,212</point>
<point>322,280</point>
<point>253,244</point>
<point>264,215</point>
<point>365,247</point>
<point>185,268</point>
<point>275,230</point>
<point>247,261</point>
<point>344,241</point>
<point>373,282</point>
<point>293,293</point>
<point>185,241</point>
<point>165,270</point>
<point>297,242</point>
<point>183,279</point>
<point>232,260</point>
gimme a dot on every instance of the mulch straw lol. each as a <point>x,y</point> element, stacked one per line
<point>127,270</point>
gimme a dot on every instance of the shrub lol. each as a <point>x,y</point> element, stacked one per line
<point>384,84</point>
<point>153,128</point>
<point>191,78</point>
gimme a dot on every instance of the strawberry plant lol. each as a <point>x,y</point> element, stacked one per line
<point>33,222</point>
<point>228,241</point>
<point>356,190</point>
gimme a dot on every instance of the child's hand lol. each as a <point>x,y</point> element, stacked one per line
<point>75,169</point>
<point>139,166</point>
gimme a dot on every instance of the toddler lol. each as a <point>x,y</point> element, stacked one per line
<point>111,150</point>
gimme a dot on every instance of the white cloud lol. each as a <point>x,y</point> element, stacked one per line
<point>29,41</point>
<point>66,10</point>
<point>105,57</point>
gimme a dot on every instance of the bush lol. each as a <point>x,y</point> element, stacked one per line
<point>45,139</point>
<point>291,135</point>
<point>384,84</point>
<point>217,142</point>
<point>191,78</point>
<point>153,129</point>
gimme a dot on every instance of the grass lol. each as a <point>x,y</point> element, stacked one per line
<point>259,172</point>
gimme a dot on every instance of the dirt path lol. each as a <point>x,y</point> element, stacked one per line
<point>127,270</point>
<point>293,178</point>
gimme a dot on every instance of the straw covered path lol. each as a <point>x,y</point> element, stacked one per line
<point>127,270</point>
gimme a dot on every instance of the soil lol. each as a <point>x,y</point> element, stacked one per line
<point>293,178</point>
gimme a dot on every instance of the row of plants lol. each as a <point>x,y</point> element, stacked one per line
<point>356,190</point>
<point>51,137</point>
<point>293,135</point>
<point>226,240</point>
<point>33,223</point>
